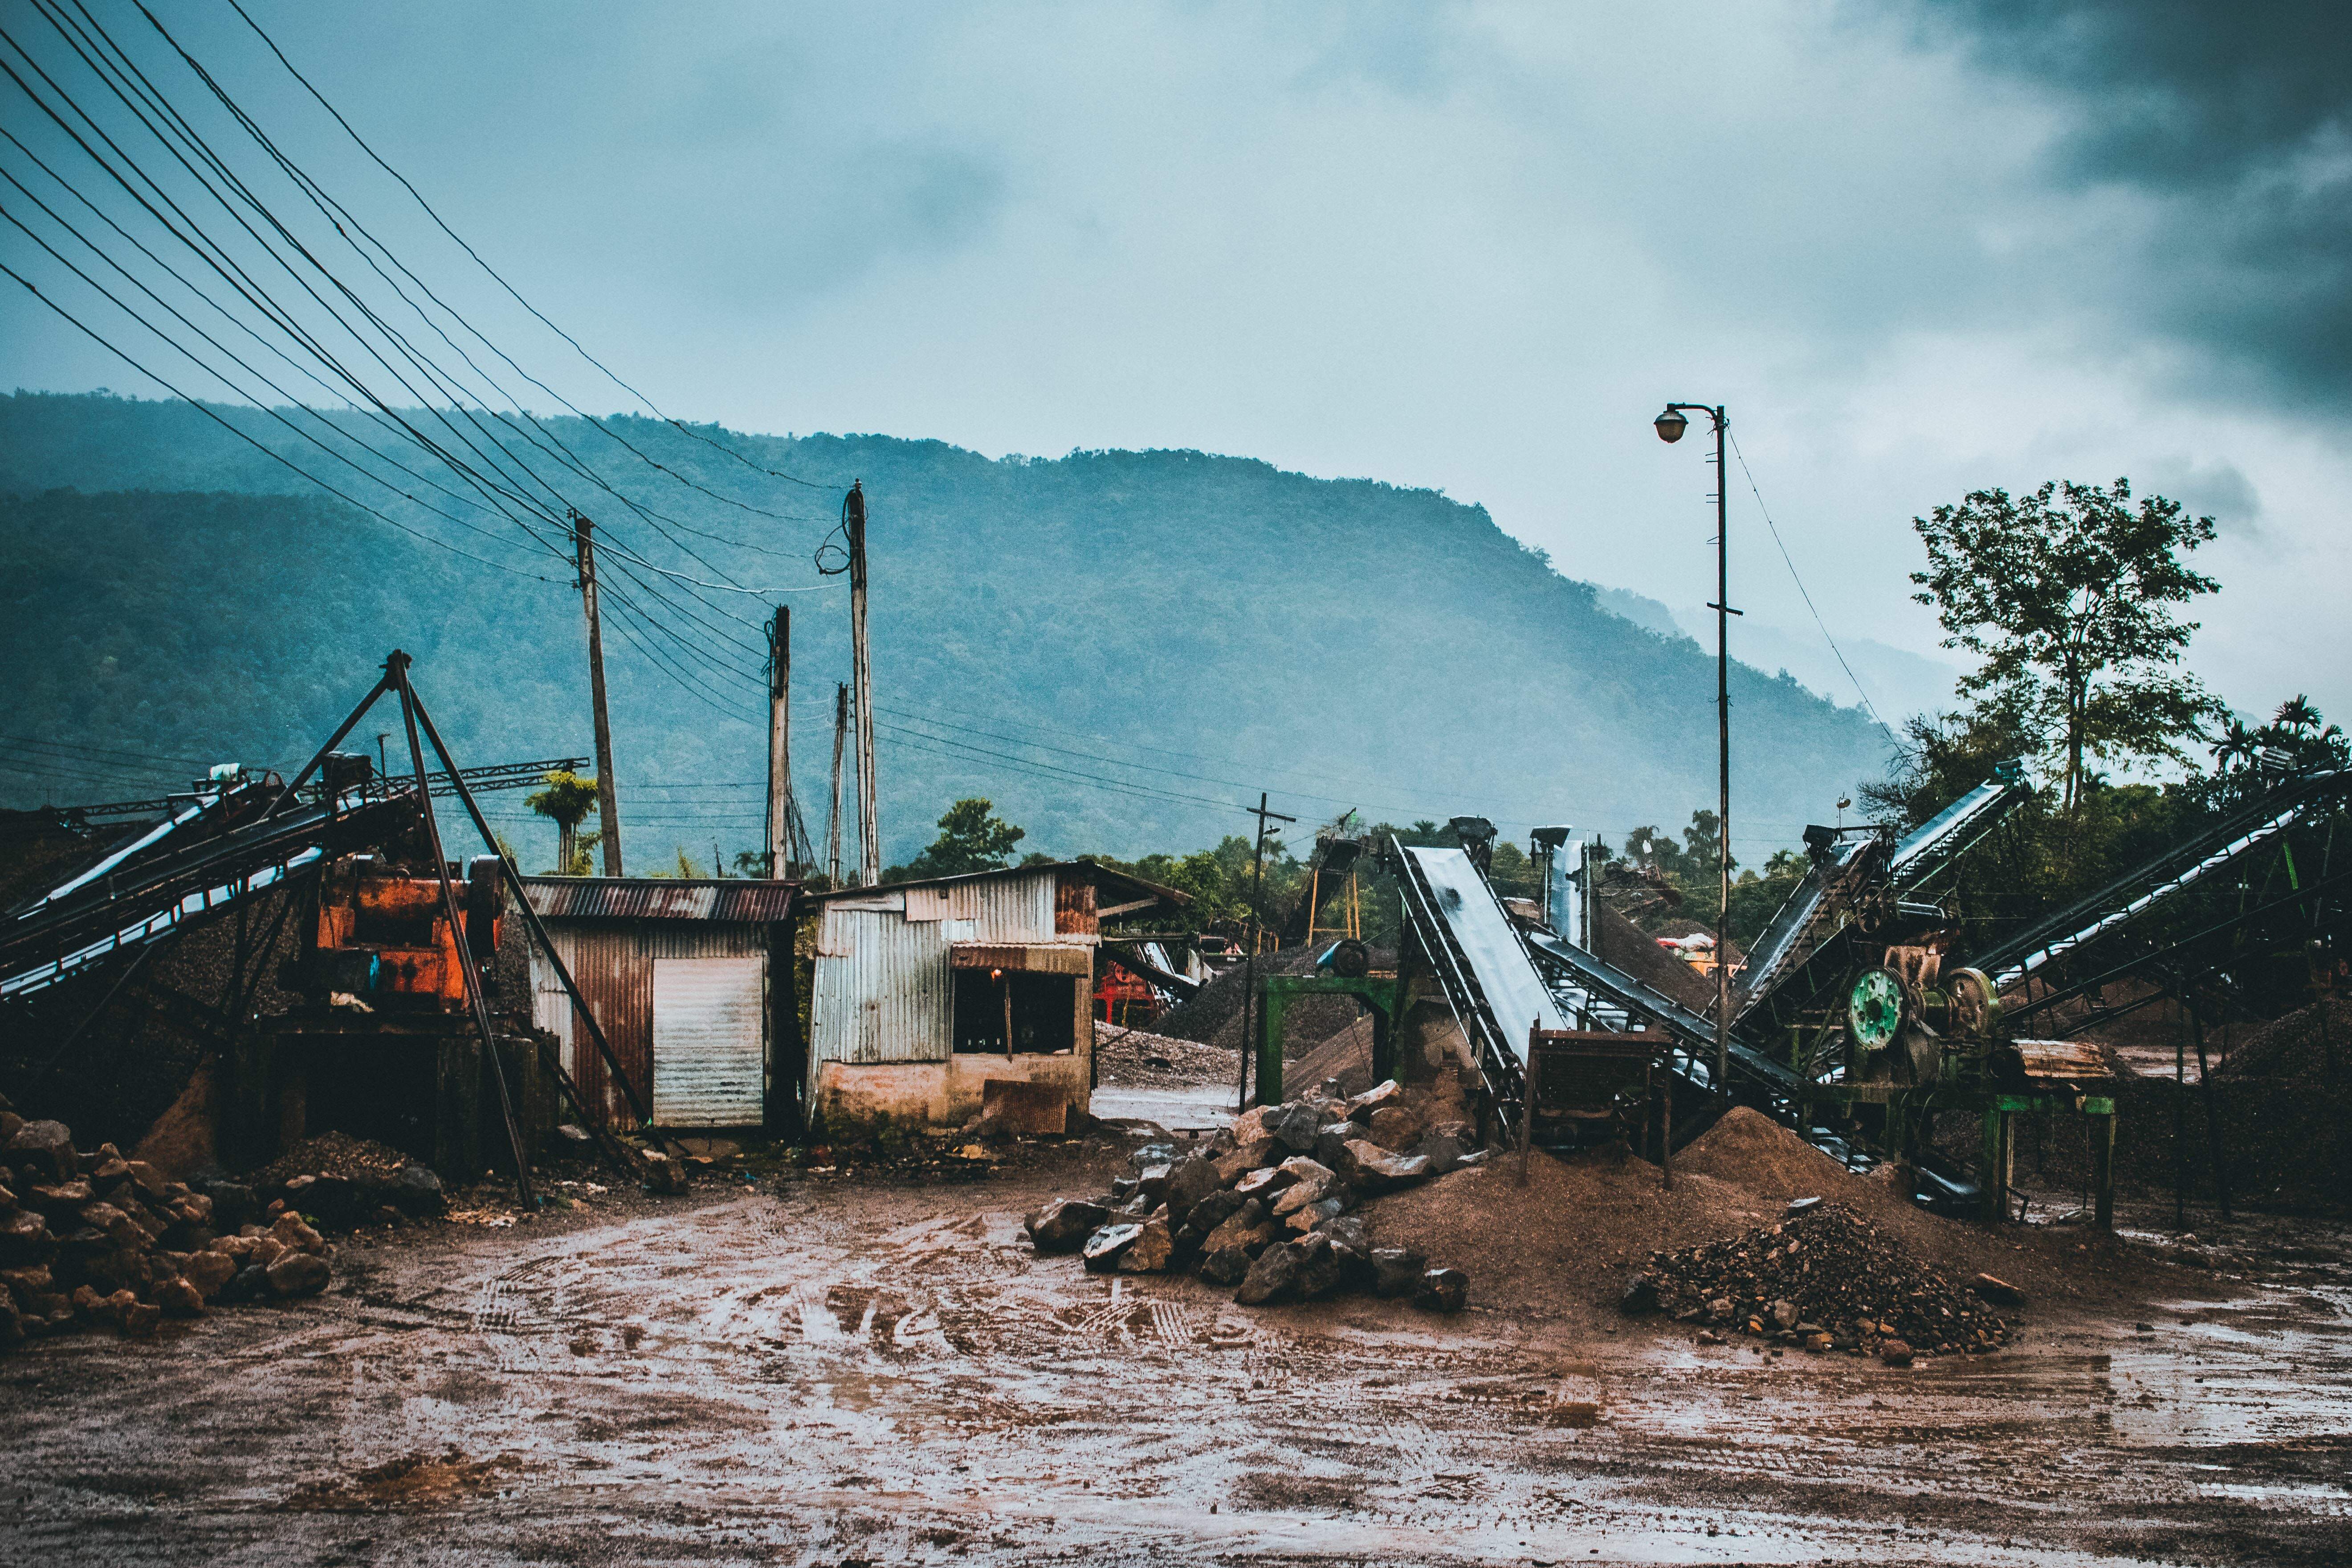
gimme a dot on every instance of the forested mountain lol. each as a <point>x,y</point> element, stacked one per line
<point>1117,648</point>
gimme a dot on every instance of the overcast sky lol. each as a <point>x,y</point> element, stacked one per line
<point>1917,249</point>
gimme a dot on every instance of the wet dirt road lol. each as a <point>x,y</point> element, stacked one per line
<point>888,1375</point>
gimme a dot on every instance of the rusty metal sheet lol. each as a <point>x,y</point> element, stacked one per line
<point>613,965</point>
<point>1029,958</point>
<point>660,899</point>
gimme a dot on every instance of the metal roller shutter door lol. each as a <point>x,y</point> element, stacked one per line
<point>707,1041</point>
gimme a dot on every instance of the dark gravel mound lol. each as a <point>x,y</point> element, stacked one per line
<point>1828,1271</point>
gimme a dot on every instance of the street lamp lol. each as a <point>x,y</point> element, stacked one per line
<point>1670,427</point>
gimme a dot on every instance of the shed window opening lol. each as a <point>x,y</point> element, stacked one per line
<point>1036,1014</point>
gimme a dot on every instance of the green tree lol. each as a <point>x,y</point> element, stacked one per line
<point>2067,595</point>
<point>973,838</point>
<point>566,800</point>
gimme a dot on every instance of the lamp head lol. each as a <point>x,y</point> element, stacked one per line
<point>1671,425</point>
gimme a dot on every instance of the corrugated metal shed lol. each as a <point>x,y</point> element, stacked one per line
<point>709,1034</point>
<point>659,899</point>
<point>613,962</point>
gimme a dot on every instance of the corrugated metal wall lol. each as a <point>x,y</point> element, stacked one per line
<point>883,989</point>
<point>709,1060</point>
<point>612,964</point>
<point>884,992</point>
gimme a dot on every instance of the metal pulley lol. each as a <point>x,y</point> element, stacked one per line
<point>1876,1010</point>
<point>1973,1010</point>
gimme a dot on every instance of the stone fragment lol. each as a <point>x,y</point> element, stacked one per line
<point>1396,1128</point>
<point>208,1271</point>
<point>1245,1228</point>
<point>61,1197</point>
<point>1214,1211</point>
<point>1894,1352</point>
<point>1273,1277</point>
<point>1396,1270</point>
<point>298,1274</point>
<point>139,1319</point>
<point>1318,1268</point>
<point>1190,1180</point>
<point>1294,1124</point>
<point>1782,1314</point>
<point>267,1250</point>
<point>250,1283</point>
<point>1149,1155</point>
<point>1303,1192</point>
<point>1379,1096</point>
<point>45,1148</point>
<point>1375,1169</point>
<point>1264,1184</point>
<point>1441,1290</point>
<point>25,1238</point>
<point>1102,1248</point>
<point>416,1190</point>
<point>1641,1296</point>
<point>1152,1187</point>
<point>180,1299</point>
<point>1225,1264</point>
<point>150,1179</point>
<point>664,1176</point>
<point>1442,1150</point>
<point>1152,1250</point>
<point>1064,1224</point>
<point>1315,1214</point>
<point>1244,1158</point>
<point>232,1204</point>
<point>296,1235</point>
<point>1800,1206</point>
<point>1997,1291</point>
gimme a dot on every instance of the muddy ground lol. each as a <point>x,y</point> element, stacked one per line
<point>842,1368</point>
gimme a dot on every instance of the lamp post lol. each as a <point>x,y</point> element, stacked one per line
<point>1670,427</point>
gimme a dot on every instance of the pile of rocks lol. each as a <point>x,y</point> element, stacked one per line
<point>1826,1279</point>
<point>1267,1206</point>
<point>93,1238</point>
<point>340,1182</point>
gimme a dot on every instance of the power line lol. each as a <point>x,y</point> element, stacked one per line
<point>1802,590</point>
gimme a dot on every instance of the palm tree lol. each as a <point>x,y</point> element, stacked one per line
<point>567,798</point>
<point>2237,743</point>
<point>2296,713</point>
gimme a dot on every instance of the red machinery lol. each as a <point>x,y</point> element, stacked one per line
<point>383,937</point>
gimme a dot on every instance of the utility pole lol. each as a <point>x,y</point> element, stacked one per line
<point>833,823</point>
<point>1249,958</point>
<point>608,804</point>
<point>780,741</point>
<point>869,840</point>
<point>1670,427</point>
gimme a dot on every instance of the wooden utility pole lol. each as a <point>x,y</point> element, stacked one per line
<point>608,806</point>
<point>869,842</point>
<point>780,742</point>
<point>833,823</point>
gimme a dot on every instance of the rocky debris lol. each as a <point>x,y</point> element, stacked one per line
<point>1997,1291</point>
<point>1064,1224</point>
<point>1826,1276</point>
<point>95,1238</point>
<point>1441,1290</point>
<point>663,1175</point>
<point>340,1181</point>
<point>1269,1207</point>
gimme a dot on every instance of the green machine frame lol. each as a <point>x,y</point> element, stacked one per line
<point>1384,994</point>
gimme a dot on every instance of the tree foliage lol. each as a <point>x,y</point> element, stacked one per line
<point>2068,596</point>
<point>973,838</point>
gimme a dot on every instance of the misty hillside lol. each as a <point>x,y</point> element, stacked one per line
<point>1116,646</point>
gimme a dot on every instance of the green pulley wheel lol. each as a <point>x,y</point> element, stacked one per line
<point>1873,1010</point>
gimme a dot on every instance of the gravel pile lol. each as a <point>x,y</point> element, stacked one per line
<point>1828,1280</point>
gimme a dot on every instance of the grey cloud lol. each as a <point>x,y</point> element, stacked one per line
<point>2236,120</point>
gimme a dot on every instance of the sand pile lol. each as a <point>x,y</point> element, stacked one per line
<point>1750,1149</point>
<point>1137,1056</point>
<point>1827,1278</point>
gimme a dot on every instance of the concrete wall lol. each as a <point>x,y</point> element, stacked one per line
<point>859,1097</point>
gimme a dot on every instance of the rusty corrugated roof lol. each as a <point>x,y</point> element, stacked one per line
<point>1101,876</point>
<point>733,899</point>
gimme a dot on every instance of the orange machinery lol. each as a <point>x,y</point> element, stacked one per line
<point>381,937</point>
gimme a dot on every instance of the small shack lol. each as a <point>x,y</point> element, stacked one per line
<point>691,983</point>
<point>926,991</point>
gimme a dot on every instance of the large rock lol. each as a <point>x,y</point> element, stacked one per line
<point>1376,1170</point>
<point>1244,1158</point>
<point>1396,1270</point>
<point>1313,1186</point>
<point>1997,1291</point>
<point>208,1271</point>
<point>1225,1264</point>
<point>1316,1215</point>
<point>1641,1296</point>
<point>1441,1290</point>
<point>1379,1096</point>
<point>1190,1180</point>
<point>25,1238</point>
<point>291,1232</point>
<point>1214,1211</point>
<point>45,1148</point>
<point>298,1274</point>
<point>415,1191</point>
<point>1331,1141</point>
<point>1264,1184</point>
<point>1273,1277</point>
<point>1064,1224</point>
<point>1396,1128</point>
<point>1151,1185</point>
<point>1150,1154</point>
<point>1246,1227</point>
<point>234,1204</point>
<point>1294,1124</point>
<point>180,1299</point>
<point>1103,1249</point>
<point>1319,1269</point>
<point>1442,1150</point>
<point>1152,1250</point>
<point>663,1175</point>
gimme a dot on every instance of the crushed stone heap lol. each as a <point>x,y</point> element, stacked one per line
<point>1825,1278</point>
